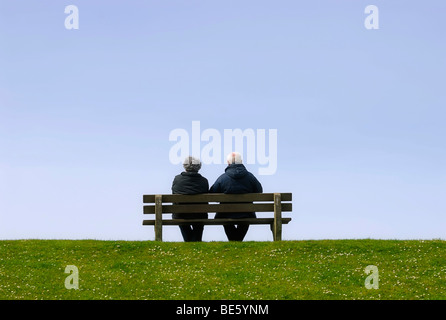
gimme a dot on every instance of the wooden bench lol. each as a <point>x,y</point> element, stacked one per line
<point>202,203</point>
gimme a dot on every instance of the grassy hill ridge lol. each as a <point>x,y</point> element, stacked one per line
<point>317,269</point>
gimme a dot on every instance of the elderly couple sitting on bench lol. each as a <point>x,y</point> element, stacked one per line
<point>236,179</point>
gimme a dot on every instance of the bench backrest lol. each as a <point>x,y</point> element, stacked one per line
<point>199,203</point>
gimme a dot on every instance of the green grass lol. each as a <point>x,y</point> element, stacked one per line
<point>326,269</point>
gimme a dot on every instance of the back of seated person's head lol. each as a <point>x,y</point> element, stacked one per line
<point>192,164</point>
<point>234,158</point>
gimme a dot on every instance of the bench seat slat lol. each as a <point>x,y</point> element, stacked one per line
<point>216,197</point>
<point>225,207</point>
<point>176,222</point>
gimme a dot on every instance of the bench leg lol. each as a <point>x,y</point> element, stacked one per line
<point>277,225</point>
<point>158,218</point>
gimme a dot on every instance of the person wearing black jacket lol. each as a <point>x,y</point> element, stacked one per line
<point>236,179</point>
<point>190,182</point>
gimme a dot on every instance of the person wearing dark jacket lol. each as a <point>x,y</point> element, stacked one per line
<point>236,179</point>
<point>190,182</point>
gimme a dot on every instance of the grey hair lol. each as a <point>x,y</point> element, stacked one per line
<point>234,158</point>
<point>192,164</point>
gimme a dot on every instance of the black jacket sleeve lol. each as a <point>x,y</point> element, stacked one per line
<point>257,187</point>
<point>216,187</point>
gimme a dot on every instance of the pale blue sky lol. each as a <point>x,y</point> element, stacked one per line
<point>85,115</point>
